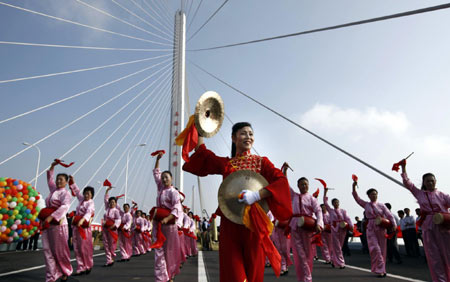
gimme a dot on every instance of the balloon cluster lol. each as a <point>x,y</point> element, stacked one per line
<point>20,204</point>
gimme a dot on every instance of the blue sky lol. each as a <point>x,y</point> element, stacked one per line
<point>378,90</point>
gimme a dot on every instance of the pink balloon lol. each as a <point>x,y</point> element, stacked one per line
<point>10,239</point>
<point>19,187</point>
<point>3,228</point>
<point>18,221</point>
<point>13,227</point>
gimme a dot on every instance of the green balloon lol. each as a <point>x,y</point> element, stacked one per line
<point>29,216</point>
<point>20,204</point>
<point>34,228</point>
<point>10,222</point>
<point>11,234</point>
<point>10,212</point>
<point>29,187</point>
<point>20,193</point>
<point>18,216</point>
<point>14,199</point>
<point>23,221</point>
<point>38,209</point>
<point>3,211</point>
<point>2,179</point>
<point>23,209</point>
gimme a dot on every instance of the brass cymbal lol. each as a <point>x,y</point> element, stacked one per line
<point>233,185</point>
<point>209,114</point>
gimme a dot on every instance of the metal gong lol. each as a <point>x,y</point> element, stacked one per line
<point>233,185</point>
<point>209,114</point>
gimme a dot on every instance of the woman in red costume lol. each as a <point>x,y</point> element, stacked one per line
<point>241,254</point>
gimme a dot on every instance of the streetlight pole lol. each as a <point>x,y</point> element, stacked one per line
<point>126,171</point>
<point>39,160</point>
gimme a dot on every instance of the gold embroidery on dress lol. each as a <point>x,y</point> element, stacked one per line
<point>246,161</point>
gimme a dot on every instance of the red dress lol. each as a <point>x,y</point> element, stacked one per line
<point>241,256</point>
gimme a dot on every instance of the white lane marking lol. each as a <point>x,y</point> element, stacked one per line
<point>388,275</point>
<point>37,267</point>
<point>201,268</point>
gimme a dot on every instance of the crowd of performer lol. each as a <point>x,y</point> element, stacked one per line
<point>171,237</point>
<point>300,222</point>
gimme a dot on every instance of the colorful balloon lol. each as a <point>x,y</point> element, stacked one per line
<point>20,204</point>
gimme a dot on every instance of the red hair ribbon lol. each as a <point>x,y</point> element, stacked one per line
<point>355,178</point>
<point>107,183</point>
<point>157,152</point>
<point>316,194</point>
<point>322,181</point>
<point>60,162</point>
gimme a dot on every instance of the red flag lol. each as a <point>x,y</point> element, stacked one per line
<point>322,181</point>
<point>316,194</point>
<point>355,178</point>
<point>107,183</point>
<point>157,152</point>
<point>188,138</point>
<point>58,161</point>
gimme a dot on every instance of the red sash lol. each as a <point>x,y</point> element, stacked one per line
<point>114,234</point>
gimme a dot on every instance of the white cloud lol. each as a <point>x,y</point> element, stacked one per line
<point>437,145</point>
<point>354,121</point>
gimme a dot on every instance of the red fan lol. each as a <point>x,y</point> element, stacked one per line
<point>355,178</point>
<point>316,194</point>
<point>107,183</point>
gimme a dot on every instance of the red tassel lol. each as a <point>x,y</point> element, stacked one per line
<point>356,233</point>
<point>355,178</point>
<point>269,249</point>
<point>190,142</point>
<point>114,235</point>
<point>120,196</point>
<point>157,152</point>
<point>63,164</point>
<point>322,181</point>
<point>160,238</point>
<point>82,232</point>
<point>316,194</point>
<point>107,183</point>
<point>317,240</point>
<point>396,166</point>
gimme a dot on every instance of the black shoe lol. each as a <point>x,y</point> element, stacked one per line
<point>284,273</point>
<point>88,271</point>
<point>316,258</point>
<point>267,265</point>
<point>128,259</point>
<point>79,273</point>
<point>64,278</point>
<point>382,275</point>
<point>332,265</point>
<point>341,267</point>
<point>122,260</point>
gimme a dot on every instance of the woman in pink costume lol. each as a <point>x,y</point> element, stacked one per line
<point>110,235</point>
<point>138,228</point>
<point>337,215</point>
<point>167,258</point>
<point>376,238</point>
<point>436,238</point>
<point>126,249</point>
<point>192,241</point>
<point>326,236</point>
<point>54,238</point>
<point>82,237</point>
<point>304,204</point>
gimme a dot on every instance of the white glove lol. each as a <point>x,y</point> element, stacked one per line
<point>249,197</point>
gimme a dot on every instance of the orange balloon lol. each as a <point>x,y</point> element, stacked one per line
<point>25,197</point>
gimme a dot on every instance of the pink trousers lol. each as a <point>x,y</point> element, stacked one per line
<point>56,252</point>
<point>138,245</point>
<point>303,254</point>
<point>436,243</point>
<point>167,258</point>
<point>337,241</point>
<point>183,251</point>
<point>84,249</point>
<point>326,248</point>
<point>193,247</point>
<point>126,249</point>
<point>110,246</point>
<point>377,249</point>
<point>281,243</point>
